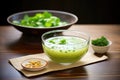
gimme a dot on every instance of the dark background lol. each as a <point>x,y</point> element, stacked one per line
<point>88,11</point>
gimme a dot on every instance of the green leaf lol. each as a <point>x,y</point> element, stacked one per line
<point>48,24</point>
<point>39,15</point>
<point>52,41</point>
<point>62,41</point>
<point>47,14</point>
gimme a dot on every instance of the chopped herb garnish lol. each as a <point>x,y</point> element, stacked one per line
<point>102,41</point>
<point>65,51</point>
<point>62,41</point>
<point>52,47</point>
<point>60,50</point>
<point>51,41</point>
<point>73,50</point>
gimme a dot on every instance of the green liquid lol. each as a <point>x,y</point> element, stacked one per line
<point>65,49</point>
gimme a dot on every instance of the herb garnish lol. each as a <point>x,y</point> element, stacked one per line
<point>102,41</point>
<point>62,41</point>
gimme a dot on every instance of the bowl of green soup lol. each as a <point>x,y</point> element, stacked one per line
<point>37,22</point>
<point>65,46</point>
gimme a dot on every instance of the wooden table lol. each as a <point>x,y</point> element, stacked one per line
<point>14,44</point>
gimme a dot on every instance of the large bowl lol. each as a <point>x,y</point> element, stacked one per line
<point>64,16</point>
<point>65,46</point>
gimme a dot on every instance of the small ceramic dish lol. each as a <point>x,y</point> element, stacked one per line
<point>101,49</point>
<point>34,64</point>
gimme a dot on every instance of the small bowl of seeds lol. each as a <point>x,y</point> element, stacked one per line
<point>34,64</point>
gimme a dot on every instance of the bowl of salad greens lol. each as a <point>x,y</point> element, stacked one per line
<point>37,22</point>
<point>101,44</point>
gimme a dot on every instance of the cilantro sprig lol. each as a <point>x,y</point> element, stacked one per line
<point>102,41</point>
<point>62,41</point>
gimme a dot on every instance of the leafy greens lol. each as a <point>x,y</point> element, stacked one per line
<point>102,41</point>
<point>45,19</point>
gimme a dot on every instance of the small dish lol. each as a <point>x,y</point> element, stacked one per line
<point>101,49</point>
<point>34,64</point>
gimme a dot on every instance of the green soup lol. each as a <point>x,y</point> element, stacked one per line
<point>65,49</point>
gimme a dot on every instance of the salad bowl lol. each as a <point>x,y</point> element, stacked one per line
<point>61,16</point>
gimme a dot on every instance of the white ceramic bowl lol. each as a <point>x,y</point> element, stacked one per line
<point>43,64</point>
<point>101,49</point>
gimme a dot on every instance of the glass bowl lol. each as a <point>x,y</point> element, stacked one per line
<point>65,46</point>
